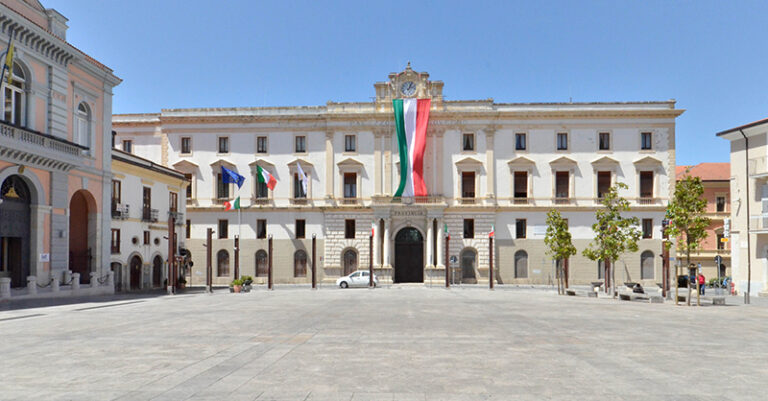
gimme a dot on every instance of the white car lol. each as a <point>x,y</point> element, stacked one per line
<point>360,278</point>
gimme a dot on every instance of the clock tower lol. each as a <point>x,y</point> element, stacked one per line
<point>408,84</point>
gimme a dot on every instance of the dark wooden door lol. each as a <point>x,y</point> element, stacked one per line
<point>409,256</point>
<point>135,273</point>
<point>15,230</point>
<point>157,271</point>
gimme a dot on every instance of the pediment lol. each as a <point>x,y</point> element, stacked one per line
<point>563,160</point>
<point>521,161</point>
<point>647,160</point>
<point>223,162</point>
<point>305,165</point>
<point>605,160</point>
<point>349,162</point>
<point>469,162</point>
<point>185,165</point>
<point>261,162</point>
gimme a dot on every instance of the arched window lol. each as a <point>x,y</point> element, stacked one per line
<point>646,265</point>
<point>350,261</point>
<point>82,134</point>
<point>14,96</point>
<point>300,264</point>
<point>468,265</point>
<point>521,264</point>
<point>262,269</point>
<point>222,263</point>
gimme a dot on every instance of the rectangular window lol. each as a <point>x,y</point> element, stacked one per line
<point>301,144</point>
<point>146,204</point>
<point>262,190</point>
<point>468,184</point>
<point>222,188</point>
<point>720,203</point>
<point>562,181</point>
<point>223,229</point>
<point>146,237</point>
<point>300,225</point>
<point>298,189</point>
<point>188,177</point>
<point>223,144</point>
<point>468,142</point>
<point>261,144</point>
<point>647,228</point>
<point>115,243</point>
<point>349,228</point>
<point>562,141</point>
<point>173,201</point>
<point>520,142</point>
<point>350,143</point>
<point>646,141</point>
<point>261,228</point>
<point>604,141</point>
<point>186,145</point>
<point>188,229</point>
<point>603,183</point>
<point>520,228</point>
<point>127,146</point>
<point>720,243</point>
<point>646,184</point>
<point>350,185</point>
<point>521,184</point>
<point>116,191</point>
<point>469,228</point>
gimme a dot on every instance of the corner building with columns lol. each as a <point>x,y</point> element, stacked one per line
<point>486,164</point>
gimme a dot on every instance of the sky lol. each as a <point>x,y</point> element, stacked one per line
<point>708,55</point>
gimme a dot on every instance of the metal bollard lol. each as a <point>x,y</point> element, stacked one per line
<point>5,287</point>
<point>75,282</point>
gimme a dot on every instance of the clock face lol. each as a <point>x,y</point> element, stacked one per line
<point>408,88</point>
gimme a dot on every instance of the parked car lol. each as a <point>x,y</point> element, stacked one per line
<point>359,278</point>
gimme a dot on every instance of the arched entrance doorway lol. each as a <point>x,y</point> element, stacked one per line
<point>82,227</point>
<point>15,226</point>
<point>135,273</point>
<point>468,265</point>
<point>350,261</point>
<point>409,256</point>
<point>157,271</point>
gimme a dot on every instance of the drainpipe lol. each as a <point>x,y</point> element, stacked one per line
<point>749,252</point>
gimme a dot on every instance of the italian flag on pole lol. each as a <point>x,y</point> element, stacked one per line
<point>411,119</point>
<point>264,176</point>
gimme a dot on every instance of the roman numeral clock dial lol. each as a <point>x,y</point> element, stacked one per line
<point>408,88</point>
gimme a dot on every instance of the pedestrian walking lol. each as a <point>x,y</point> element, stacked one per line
<point>701,283</point>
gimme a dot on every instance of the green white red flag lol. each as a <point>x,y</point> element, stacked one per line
<point>411,120</point>
<point>232,206</point>
<point>264,176</point>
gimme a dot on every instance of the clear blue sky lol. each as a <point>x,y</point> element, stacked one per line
<point>709,55</point>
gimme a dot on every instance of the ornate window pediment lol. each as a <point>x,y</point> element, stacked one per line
<point>263,163</point>
<point>223,162</point>
<point>563,161</point>
<point>305,165</point>
<point>185,165</point>
<point>469,163</point>
<point>605,161</point>
<point>349,163</point>
<point>647,161</point>
<point>521,161</point>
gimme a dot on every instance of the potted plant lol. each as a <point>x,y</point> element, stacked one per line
<point>237,285</point>
<point>182,282</point>
<point>247,281</point>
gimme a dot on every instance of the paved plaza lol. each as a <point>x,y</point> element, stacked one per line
<point>396,343</point>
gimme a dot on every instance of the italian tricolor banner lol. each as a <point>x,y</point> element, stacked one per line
<point>411,119</point>
<point>264,176</point>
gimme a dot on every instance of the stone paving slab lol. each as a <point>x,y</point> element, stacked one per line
<point>398,343</point>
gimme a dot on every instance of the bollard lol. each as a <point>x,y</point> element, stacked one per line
<point>111,279</point>
<point>67,277</point>
<point>54,284</point>
<point>5,287</point>
<point>94,280</point>
<point>75,282</point>
<point>31,285</point>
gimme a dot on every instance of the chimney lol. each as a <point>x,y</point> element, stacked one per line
<point>57,23</point>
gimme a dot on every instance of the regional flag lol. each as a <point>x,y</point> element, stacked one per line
<point>411,119</point>
<point>302,178</point>
<point>8,65</point>
<point>264,176</point>
<point>231,177</point>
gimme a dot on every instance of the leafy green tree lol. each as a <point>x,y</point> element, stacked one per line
<point>559,245</point>
<point>686,214</point>
<point>614,234</point>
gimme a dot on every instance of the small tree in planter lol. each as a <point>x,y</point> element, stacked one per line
<point>237,285</point>
<point>559,245</point>
<point>614,234</point>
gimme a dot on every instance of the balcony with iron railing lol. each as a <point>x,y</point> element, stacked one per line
<point>350,201</point>
<point>41,145</point>
<point>119,212</point>
<point>178,216</point>
<point>149,215</point>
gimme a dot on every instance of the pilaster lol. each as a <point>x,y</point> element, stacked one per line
<point>329,166</point>
<point>490,165</point>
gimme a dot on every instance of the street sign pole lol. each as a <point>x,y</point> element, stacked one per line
<point>447,263</point>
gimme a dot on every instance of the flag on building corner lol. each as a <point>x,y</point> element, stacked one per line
<point>8,65</point>
<point>445,229</point>
<point>232,206</point>
<point>302,178</point>
<point>492,233</point>
<point>264,176</point>
<point>231,177</point>
<point>373,228</point>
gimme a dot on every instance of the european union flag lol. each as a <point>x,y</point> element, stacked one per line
<point>229,176</point>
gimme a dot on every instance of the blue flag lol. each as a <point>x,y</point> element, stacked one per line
<point>232,177</point>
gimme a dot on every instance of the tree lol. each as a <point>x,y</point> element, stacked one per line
<point>687,221</point>
<point>559,245</point>
<point>614,234</point>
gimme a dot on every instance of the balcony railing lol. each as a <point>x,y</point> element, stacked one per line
<point>522,201</point>
<point>562,201</point>
<point>299,201</point>
<point>260,201</point>
<point>421,200</point>
<point>149,215</point>
<point>119,211</point>
<point>349,201</point>
<point>647,200</point>
<point>12,134</point>
<point>176,215</point>
<point>467,201</point>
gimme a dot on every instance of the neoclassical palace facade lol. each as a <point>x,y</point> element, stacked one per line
<point>486,164</point>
